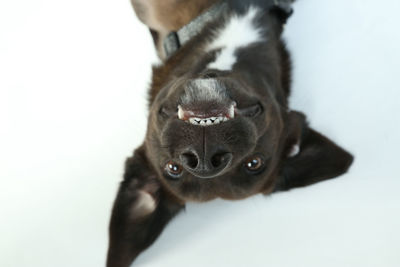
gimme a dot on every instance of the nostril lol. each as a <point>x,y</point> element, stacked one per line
<point>190,160</point>
<point>220,159</point>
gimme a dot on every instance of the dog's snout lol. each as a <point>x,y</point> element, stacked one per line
<point>205,165</point>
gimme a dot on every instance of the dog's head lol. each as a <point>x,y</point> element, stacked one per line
<point>217,135</point>
<point>214,136</point>
<point>229,133</point>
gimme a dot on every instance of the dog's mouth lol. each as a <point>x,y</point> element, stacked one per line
<point>208,114</point>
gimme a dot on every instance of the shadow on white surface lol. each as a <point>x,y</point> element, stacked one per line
<point>73,105</point>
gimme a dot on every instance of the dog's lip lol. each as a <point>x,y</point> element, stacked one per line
<point>207,114</point>
<point>185,113</point>
<point>251,110</point>
<point>219,113</point>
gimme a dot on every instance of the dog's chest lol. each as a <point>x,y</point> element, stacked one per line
<point>238,32</point>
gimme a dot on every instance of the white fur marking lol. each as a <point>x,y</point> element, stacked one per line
<point>204,90</point>
<point>144,205</point>
<point>294,150</point>
<point>238,32</point>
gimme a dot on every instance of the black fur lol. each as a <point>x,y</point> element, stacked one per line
<point>261,76</point>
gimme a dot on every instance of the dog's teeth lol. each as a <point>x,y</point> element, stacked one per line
<point>207,121</point>
<point>232,112</point>
<point>181,114</point>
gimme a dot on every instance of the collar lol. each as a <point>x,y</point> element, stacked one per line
<point>175,40</point>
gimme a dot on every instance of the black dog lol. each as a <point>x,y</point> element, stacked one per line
<point>219,123</point>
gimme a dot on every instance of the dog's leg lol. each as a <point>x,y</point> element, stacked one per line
<point>141,211</point>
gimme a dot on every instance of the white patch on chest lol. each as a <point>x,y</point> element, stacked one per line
<point>238,32</point>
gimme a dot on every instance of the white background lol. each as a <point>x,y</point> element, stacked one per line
<point>73,79</point>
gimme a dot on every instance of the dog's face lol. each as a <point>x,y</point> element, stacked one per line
<point>215,135</point>
<point>227,133</point>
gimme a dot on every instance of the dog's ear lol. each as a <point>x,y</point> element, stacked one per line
<point>308,156</point>
<point>141,210</point>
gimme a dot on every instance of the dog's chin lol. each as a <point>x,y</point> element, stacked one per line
<point>207,102</point>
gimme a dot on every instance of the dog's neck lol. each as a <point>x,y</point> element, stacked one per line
<point>244,44</point>
<point>174,40</point>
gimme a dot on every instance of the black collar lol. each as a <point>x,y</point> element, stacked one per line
<point>175,40</point>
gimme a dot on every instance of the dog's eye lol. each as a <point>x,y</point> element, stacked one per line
<point>166,112</point>
<point>254,164</point>
<point>173,169</point>
<point>163,112</point>
<point>251,111</point>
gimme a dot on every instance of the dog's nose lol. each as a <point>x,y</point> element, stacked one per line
<point>206,165</point>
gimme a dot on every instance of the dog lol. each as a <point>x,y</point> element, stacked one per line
<point>219,124</point>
